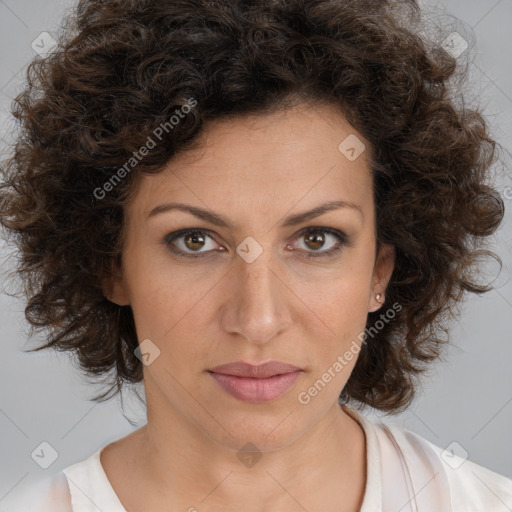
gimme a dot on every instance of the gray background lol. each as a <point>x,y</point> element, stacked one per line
<point>467,398</point>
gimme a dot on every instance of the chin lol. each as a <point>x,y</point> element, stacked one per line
<point>268,428</point>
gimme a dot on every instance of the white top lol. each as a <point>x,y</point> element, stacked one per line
<point>405,473</point>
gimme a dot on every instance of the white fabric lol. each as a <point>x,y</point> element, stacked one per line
<point>405,473</point>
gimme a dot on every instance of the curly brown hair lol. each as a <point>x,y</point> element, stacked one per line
<point>123,68</point>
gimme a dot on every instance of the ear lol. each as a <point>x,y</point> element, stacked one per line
<point>115,289</point>
<point>383,269</point>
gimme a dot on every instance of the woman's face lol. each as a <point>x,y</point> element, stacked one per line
<point>259,280</point>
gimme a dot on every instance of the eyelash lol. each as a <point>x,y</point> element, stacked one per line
<point>342,238</point>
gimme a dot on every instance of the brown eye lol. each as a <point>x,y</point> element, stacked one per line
<point>190,242</point>
<point>194,240</point>
<point>322,242</point>
<point>315,240</point>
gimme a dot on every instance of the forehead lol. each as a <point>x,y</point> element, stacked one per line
<point>302,155</point>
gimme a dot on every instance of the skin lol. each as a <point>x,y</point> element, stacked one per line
<point>285,305</point>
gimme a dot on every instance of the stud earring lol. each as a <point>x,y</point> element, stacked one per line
<point>377,297</point>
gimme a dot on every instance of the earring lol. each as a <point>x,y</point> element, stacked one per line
<point>377,297</point>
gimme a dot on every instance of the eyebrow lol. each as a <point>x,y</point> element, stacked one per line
<point>220,220</point>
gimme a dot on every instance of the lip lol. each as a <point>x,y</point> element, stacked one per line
<point>261,371</point>
<point>256,384</point>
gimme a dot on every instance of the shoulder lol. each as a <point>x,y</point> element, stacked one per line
<point>471,486</point>
<point>44,494</point>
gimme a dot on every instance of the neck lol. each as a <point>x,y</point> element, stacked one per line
<point>185,466</point>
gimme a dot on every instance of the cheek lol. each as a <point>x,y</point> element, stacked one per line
<point>338,312</point>
<point>335,343</point>
<point>161,308</point>
<point>160,293</point>
<point>342,316</point>
<point>340,299</point>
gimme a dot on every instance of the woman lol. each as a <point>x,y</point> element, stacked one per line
<point>266,212</point>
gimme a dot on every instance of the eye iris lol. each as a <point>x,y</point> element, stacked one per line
<point>196,239</point>
<point>318,240</point>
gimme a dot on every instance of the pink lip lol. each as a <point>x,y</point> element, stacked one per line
<point>256,383</point>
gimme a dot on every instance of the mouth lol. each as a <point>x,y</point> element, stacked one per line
<point>256,384</point>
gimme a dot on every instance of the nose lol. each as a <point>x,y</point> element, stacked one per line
<point>257,308</point>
